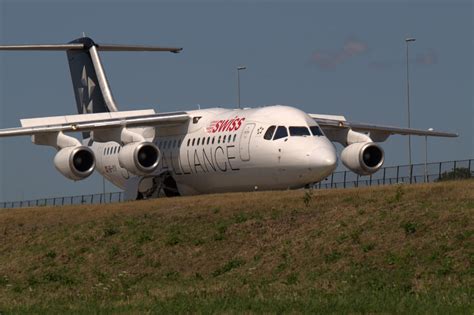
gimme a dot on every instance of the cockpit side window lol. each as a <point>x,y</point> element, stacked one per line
<point>316,131</point>
<point>269,133</point>
<point>299,131</point>
<point>281,132</point>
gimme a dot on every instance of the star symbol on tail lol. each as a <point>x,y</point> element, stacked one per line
<point>85,92</point>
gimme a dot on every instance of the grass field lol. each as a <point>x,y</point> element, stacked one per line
<point>397,249</point>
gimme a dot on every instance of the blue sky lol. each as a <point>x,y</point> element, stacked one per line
<point>330,57</point>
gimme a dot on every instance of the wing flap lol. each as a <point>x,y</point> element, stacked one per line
<point>339,122</point>
<point>90,122</point>
<point>70,119</point>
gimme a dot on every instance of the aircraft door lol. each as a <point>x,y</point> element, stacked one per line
<point>244,146</point>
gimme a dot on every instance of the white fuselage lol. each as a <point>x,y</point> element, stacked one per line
<point>225,150</point>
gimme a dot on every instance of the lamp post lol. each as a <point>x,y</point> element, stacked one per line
<point>426,156</point>
<point>407,41</point>
<point>238,82</point>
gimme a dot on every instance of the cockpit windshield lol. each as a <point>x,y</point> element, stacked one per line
<point>278,132</point>
<point>269,133</point>
<point>299,131</point>
<point>316,131</point>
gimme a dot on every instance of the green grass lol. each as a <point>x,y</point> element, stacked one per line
<point>392,249</point>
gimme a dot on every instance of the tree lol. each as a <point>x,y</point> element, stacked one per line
<point>457,173</point>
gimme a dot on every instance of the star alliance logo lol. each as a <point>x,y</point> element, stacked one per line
<point>85,92</point>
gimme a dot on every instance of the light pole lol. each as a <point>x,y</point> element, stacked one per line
<point>426,156</point>
<point>238,82</point>
<point>407,41</point>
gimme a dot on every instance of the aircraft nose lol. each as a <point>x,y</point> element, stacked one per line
<point>323,160</point>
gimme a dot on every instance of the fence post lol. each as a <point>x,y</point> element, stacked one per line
<point>439,172</point>
<point>345,173</point>
<point>454,170</point>
<point>398,171</point>
<point>384,169</point>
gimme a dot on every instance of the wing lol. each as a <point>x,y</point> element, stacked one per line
<point>99,121</point>
<point>333,126</point>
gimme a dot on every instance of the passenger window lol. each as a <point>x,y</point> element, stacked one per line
<point>203,141</point>
<point>199,139</point>
<point>208,139</point>
<point>299,131</point>
<point>193,141</point>
<point>189,140</point>
<point>213,138</point>
<point>235,136</point>
<point>281,132</point>
<point>223,139</point>
<point>219,140</point>
<point>268,135</point>
<point>316,131</point>
<point>174,143</point>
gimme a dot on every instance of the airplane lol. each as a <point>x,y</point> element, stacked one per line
<point>214,150</point>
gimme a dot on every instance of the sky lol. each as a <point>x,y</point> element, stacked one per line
<point>327,57</point>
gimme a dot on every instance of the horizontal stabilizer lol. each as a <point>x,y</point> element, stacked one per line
<point>82,46</point>
<point>53,47</point>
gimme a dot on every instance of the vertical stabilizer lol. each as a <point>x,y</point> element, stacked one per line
<point>91,89</point>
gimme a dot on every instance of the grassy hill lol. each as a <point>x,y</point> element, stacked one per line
<point>397,249</point>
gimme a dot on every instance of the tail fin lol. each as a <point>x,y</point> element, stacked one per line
<point>91,88</point>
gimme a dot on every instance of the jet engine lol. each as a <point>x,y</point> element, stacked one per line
<point>139,158</point>
<point>76,162</point>
<point>363,158</point>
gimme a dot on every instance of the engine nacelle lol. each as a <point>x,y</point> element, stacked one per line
<point>363,158</point>
<point>139,158</point>
<point>75,163</point>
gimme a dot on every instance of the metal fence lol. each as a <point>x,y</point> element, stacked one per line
<point>63,201</point>
<point>415,173</point>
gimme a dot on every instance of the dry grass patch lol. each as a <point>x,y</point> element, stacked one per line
<point>249,252</point>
